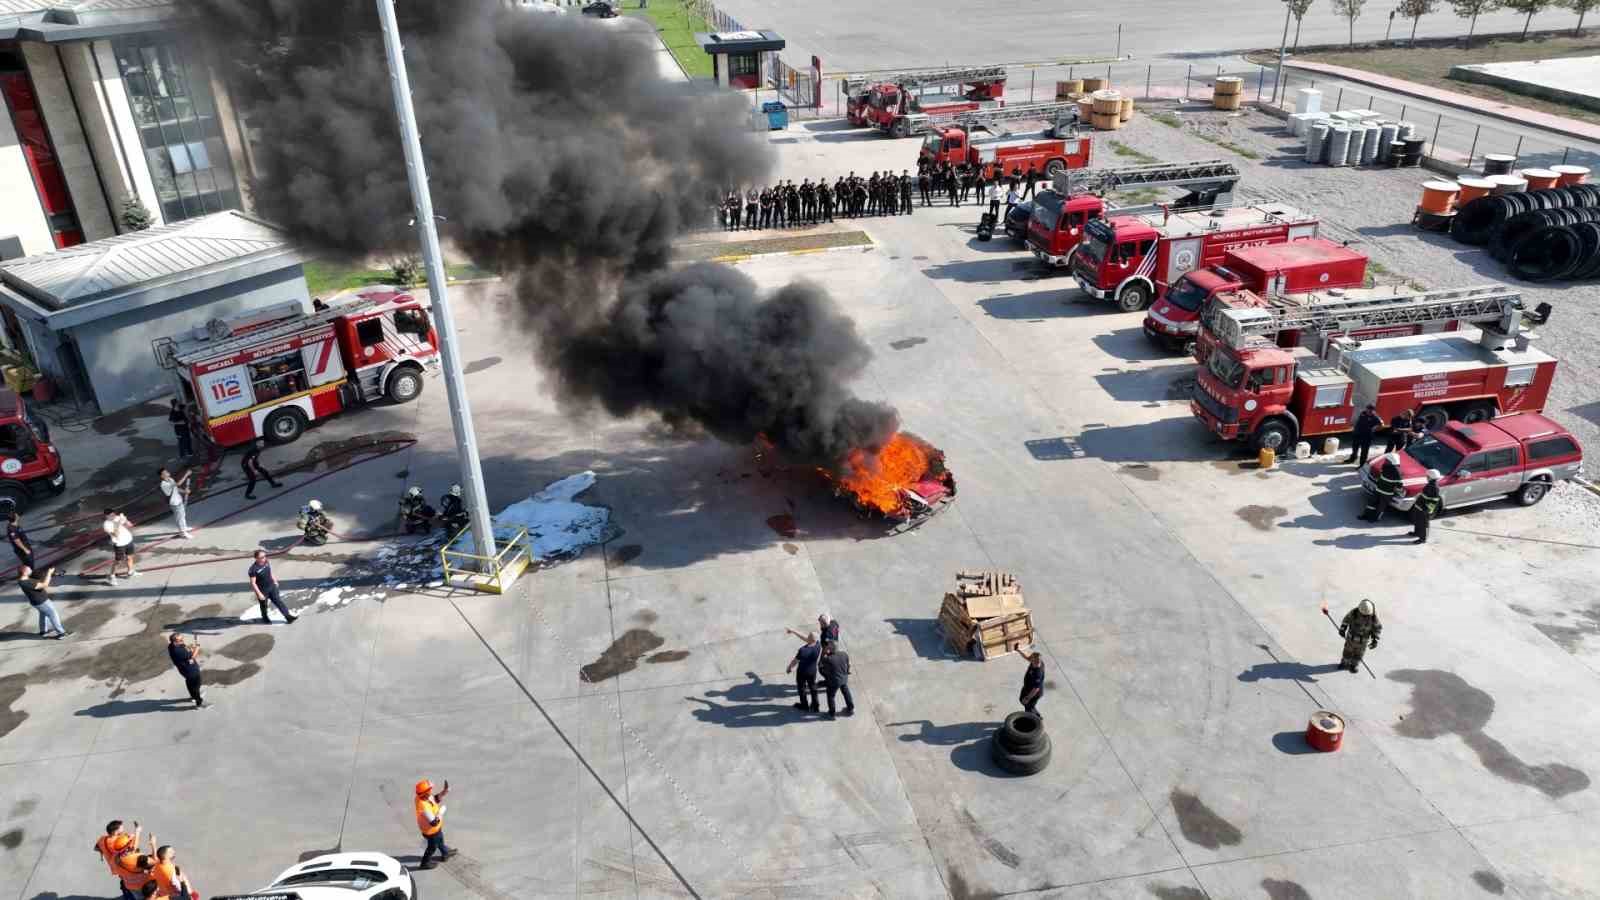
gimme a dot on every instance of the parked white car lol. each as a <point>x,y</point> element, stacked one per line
<point>338,876</point>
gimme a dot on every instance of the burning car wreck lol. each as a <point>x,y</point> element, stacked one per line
<point>904,482</point>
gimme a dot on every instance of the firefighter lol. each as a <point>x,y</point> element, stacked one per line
<point>1399,428</point>
<point>925,185</point>
<point>1366,426</point>
<point>752,199</point>
<point>969,180</point>
<point>808,202</point>
<point>452,512</point>
<point>314,523</point>
<point>430,821</point>
<point>415,513</point>
<point>1419,429</point>
<point>1426,507</point>
<point>825,200</point>
<point>766,208</point>
<point>872,195</point>
<point>861,196</point>
<point>1388,486</point>
<point>952,186</point>
<point>1360,630</point>
<point>732,205</point>
<point>905,191</point>
<point>1032,176</point>
<point>793,196</point>
<point>777,205</point>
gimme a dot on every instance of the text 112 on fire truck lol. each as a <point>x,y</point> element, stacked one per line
<point>270,373</point>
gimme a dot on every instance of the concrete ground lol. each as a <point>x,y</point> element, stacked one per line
<point>1174,587</point>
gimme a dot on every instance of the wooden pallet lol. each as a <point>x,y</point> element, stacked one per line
<point>986,611</point>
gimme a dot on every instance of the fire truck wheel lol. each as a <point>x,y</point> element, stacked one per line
<point>404,385</point>
<point>1533,492</point>
<point>1055,167</point>
<point>284,426</point>
<point>12,497</point>
<point>1435,416</point>
<point>1273,435</point>
<point>1133,298</point>
<point>900,129</point>
<point>1477,412</point>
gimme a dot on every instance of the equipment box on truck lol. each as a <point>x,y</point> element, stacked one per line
<point>1520,456</point>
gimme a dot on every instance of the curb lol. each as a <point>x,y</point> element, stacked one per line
<point>1419,94</point>
<point>741,257</point>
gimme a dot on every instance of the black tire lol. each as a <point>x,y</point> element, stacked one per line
<point>1011,745</point>
<point>1133,298</point>
<point>1477,412</point>
<point>1021,763</point>
<point>1274,434</point>
<point>1023,729</point>
<point>404,386</point>
<point>13,497</point>
<point>900,128</point>
<point>1055,167</point>
<point>1435,416</point>
<point>284,426</point>
<point>1532,492</point>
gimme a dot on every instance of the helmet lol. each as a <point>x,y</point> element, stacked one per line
<point>314,506</point>
<point>1392,458</point>
<point>424,787</point>
<point>1367,608</point>
<point>413,491</point>
<point>455,490</point>
<point>1433,474</point>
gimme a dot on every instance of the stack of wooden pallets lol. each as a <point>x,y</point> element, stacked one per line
<point>985,615</point>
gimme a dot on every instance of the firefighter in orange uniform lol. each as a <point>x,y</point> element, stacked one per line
<point>430,821</point>
<point>112,846</point>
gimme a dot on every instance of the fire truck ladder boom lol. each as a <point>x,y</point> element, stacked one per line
<point>1201,176</point>
<point>273,332</point>
<point>983,118</point>
<point>923,78</point>
<point>1479,305</point>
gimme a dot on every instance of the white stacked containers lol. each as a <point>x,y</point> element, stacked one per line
<point>1308,100</point>
<point>1338,145</point>
<point>1316,140</point>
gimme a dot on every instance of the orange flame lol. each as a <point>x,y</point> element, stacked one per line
<point>876,481</point>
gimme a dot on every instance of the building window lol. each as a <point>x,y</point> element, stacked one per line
<point>178,128</point>
<point>18,99</point>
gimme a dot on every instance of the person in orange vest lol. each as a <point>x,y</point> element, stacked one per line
<point>112,845</point>
<point>134,868</point>
<point>168,877</point>
<point>430,820</point>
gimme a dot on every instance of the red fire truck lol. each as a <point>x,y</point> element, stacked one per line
<point>1251,389</point>
<point>30,466</point>
<point>271,373</point>
<point>1275,269</point>
<point>1076,198</point>
<point>1053,149</point>
<point>892,106</point>
<point>1131,259</point>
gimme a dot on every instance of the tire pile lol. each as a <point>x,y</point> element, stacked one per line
<point>1020,745</point>
<point>1539,235</point>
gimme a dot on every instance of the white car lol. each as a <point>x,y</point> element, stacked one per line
<point>338,876</point>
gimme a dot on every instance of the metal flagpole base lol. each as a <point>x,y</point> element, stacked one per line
<point>465,567</point>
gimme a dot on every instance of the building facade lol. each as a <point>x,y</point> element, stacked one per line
<point>104,108</point>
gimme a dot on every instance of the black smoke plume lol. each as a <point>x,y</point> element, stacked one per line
<point>555,152</point>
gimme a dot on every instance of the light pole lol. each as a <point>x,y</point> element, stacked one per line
<point>1283,46</point>
<point>428,235</point>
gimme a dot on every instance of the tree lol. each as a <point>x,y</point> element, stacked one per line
<point>1581,7</point>
<point>1349,10</point>
<point>1416,9</point>
<point>1299,8</point>
<point>1472,9</point>
<point>134,216</point>
<point>1530,7</point>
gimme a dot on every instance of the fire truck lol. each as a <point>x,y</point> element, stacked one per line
<point>1251,389</point>
<point>30,466</point>
<point>1261,272</point>
<point>893,108</point>
<point>1076,198</point>
<point>1132,259</point>
<point>271,373</point>
<point>1053,150</point>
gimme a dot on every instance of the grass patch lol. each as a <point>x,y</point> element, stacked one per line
<point>788,244</point>
<point>1245,152</point>
<point>1172,121</point>
<point>325,278</point>
<point>1377,270</point>
<point>1431,66</point>
<point>677,22</point>
<point>1167,119</point>
<point>1121,149</point>
<point>1136,196</point>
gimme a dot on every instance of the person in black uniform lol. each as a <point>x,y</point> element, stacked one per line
<point>1419,428</point>
<point>969,180</point>
<point>733,206</point>
<point>20,545</point>
<point>1399,429</point>
<point>1033,684</point>
<point>805,679</point>
<point>825,200</point>
<point>779,204</point>
<point>953,186</point>
<point>766,208</point>
<point>872,194</point>
<point>794,205</point>
<point>752,202</point>
<point>905,191</point>
<point>186,659</point>
<point>808,202</point>
<point>180,429</point>
<point>860,191</point>
<point>835,671</point>
<point>1367,425</point>
<point>925,185</point>
<point>1389,485</point>
<point>1033,176</point>
<point>253,469</point>
<point>1427,506</point>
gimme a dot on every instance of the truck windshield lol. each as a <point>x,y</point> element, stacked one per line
<point>1047,209</point>
<point>1226,369</point>
<point>1097,236</point>
<point>1186,295</point>
<point>1433,453</point>
<point>930,144</point>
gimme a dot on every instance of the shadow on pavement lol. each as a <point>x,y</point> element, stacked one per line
<point>1035,305</point>
<point>114,708</point>
<point>944,735</point>
<point>925,637</point>
<point>1292,743</point>
<point>1286,671</point>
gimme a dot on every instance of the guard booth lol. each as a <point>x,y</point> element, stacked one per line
<point>736,56</point>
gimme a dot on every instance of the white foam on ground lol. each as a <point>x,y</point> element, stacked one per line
<point>558,527</point>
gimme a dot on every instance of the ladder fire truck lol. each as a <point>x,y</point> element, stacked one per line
<point>1055,149</point>
<point>1251,389</point>
<point>271,372</point>
<point>890,105</point>
<point>1131,259</point>
<point>1076,198</point>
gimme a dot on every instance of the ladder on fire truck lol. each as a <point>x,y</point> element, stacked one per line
<point>925,78</point>
<point>1063,117</point>
<point>1202,176</point>
<point>1495,308</point>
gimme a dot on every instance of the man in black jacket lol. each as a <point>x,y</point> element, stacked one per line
<point>805,660</point>
<point>1399,431</point>
<point>253,469</point>
<point>1032,683</point>
<point>835,671</point>
<point>1366,426</point>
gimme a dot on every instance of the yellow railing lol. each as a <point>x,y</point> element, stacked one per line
<point>491,574</point>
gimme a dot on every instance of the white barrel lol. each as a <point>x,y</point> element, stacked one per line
<point>1302,450</point>
<point>1330,446</point>
<point>1507,184</point>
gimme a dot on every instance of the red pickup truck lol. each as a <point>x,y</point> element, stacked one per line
<point>1521,456</point>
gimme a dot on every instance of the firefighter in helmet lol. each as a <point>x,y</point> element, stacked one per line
<point>452,512</point>
<point>415,513</point>
<point>314,523</point>
<point>1360,630</point>
<point>1386,485</point>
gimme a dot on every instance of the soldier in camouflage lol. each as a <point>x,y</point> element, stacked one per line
<point>1360,630</point>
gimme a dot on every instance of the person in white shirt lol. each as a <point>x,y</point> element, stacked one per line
<point>994,199</point>
<point>1012,199</point>
<point>120,531</point>
<point>177,491</point>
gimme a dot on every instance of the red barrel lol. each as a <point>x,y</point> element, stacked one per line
<point>1326,731</point>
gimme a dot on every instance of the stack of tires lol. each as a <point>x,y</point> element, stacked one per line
<point>1539,235</point>
<point>1020,745</point>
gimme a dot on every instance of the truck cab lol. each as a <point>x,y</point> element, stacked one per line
<point>1251,392</point>
<point>1174,321</point>
<point>1119,251</point>
<point>1520,456</point>
<point>30,466</point>
<point>1058,224</point>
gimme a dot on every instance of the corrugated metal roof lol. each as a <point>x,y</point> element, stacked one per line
<point>91,271</point>
<point>23,7</point>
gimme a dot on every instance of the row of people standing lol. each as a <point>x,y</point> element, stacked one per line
<point>961,183</point>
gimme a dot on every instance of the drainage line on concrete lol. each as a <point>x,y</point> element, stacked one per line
<point>578,755</point>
